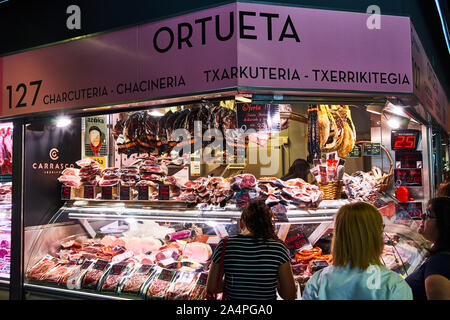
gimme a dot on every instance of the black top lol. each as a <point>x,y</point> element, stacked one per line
<point>438,263</point>
<point>251,267</point>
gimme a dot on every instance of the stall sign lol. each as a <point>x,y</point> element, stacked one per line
<point>408,177</point>
<point>356,152</point>
<point>235,45</point>
<point>259,117</point>
<point>426,85</point>
<point>408,159</point>
<point>412,209</point>
<point>372,149</point>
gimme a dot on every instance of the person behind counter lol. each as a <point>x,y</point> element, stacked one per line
<point>254,261</point>
<point>357,272</point>
<point>432,279</point>
<point>443,190</point>
<point>299,169</point>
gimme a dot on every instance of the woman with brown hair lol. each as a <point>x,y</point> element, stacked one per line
<point>255,262</point>
<point>357,272</point>
<point>431,281</point>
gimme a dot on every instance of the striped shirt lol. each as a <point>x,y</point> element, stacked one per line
<point>250,267</point>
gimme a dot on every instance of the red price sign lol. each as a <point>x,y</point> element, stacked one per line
<point>164,192</point>
<point>404,142</point>
<point>408,177</point>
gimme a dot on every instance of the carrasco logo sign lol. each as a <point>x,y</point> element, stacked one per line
<point>54,154</point>
<point>52,167</point>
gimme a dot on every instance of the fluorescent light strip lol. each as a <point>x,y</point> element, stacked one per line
<point>444,26</point>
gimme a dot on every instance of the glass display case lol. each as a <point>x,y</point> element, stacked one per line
<point>153,250</point>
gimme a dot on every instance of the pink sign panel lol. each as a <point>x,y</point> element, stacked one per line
<point>230,46</point>
<point>325,50</point>
<point>426,84</point>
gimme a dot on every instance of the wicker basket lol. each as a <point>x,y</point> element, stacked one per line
<point>332,190</point>
<point>385,181</point>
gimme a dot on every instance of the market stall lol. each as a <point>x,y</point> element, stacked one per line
<point>151,212</point>
<point>138,160</point>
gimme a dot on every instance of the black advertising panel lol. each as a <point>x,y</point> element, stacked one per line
<point>372,149</point>
<point>408,177</point>
<point>407,139</point>
<point>408,159</point>
<point>356,152</point>
<point>48,151</point>
<point>259,117</point>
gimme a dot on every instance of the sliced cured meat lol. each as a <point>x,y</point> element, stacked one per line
<point>70,181</point>
<point>138,278</point>
<point>148,183</point>
<point>197,251</point>
<point>159,285</point>
<point>70,172</point>
<point>152,176</point>
<point>87,162</point>
<point>129,170</point>
<point>93,276</point>
<point>115,274</point>
<point>56,273</point>
<point>108,182</point>
<point>71,244</point>
<point>40,268</point>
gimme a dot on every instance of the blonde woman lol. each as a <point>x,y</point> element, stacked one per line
<point>357,272</point>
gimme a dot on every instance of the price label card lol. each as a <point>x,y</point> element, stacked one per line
<point>295,241</point>
<point>408,177</point>
<point>411,209</point>
<point>89,192</point>
<point>125,192</point>
<point>372,149</point>
<point>143,193</point>
<point>65,192</point>
<point>259,117</point>
<point>356,152</point>
<point>163,192</point>
<point>107,193</point>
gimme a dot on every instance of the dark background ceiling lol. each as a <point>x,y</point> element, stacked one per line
<point>25,24</point>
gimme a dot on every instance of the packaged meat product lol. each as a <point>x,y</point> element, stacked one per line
<point>93,277</point>
<point>159,286</point>
<point>116,273</point>
<point>87,162</point>
<point>39,269</point>
<point>70,172</point>
<point>182,286</point>
<point>197,251</point>
<point>70,181</point>
<point>198,292</point>
<point>72,279</point>
<point>56,273</point>
<point>134,282</point>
